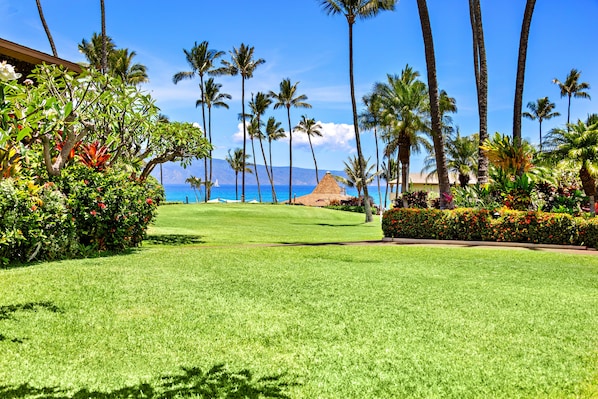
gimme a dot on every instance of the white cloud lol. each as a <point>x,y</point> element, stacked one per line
<point>335,137</point>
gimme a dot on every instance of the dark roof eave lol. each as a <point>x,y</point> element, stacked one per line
<point>34,57</point>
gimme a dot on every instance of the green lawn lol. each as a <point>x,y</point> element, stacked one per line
<point>205,310</point>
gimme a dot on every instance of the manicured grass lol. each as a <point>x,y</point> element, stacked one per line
<point>299,321</point>
<point>225,224</point>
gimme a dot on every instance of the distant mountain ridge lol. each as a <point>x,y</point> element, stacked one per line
<point>173,173</point>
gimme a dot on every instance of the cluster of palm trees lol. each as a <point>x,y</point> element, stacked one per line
<point>242,62</point>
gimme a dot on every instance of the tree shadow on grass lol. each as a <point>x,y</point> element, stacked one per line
<point>173,239</point>
<point>8,311</point>
<point>217,382</point>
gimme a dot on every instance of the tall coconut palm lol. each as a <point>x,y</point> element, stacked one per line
<point>92,50</point>
<point>237,161</point>
<point>121,64</point>
<point>353,179</point>
<point>518,103</point>
<point>310,128</point>
<point>437,137</point>
<point>287,97</point>
<point>253,130</point>
<point>353,10</point>
<point>572,88</point>
<point>241,63</point>
<point>212,98</point>
<point>578,145</point>
<point>404,102</point>
<point>370,119</point>
<point>105,50</point>
<point>481,79</point>
<point>274,132</point>
<point>258,106</point>
<point>201,61</point>
<point>46,28</point>
<point>540,110</point>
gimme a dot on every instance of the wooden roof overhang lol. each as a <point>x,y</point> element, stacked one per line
<point>24,59</point>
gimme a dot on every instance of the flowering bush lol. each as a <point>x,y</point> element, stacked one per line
<point>35,222</point>
<point>111,210</point>
<point>483,225</point>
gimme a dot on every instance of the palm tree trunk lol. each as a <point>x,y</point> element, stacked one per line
<point>104,66</point>
<point>290,156</point>
<point>46,28</point>
<point>272,172</point>
<point>366,203</point>
<point>378,170</point>
<point>210,138</point>
<point>266,167</point>
<point>518,103</point>
<point>313,154</point>
<point>481,78</point>
<point>205,132</point>
<point>257,177</point>
<point>244,137</point>
<point>441,167</point>
<point>236,185</point>
<point>568,111</point>
<point>540,122</point>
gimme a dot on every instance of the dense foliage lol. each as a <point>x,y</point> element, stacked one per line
<point>484,225</point>
<point>76,152</point>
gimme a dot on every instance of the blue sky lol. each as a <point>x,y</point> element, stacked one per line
<point>299,41</point>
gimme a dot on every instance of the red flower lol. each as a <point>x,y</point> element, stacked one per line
<point>33,207</point>
<point>93,213</point>
<point>149,201</point>
<point>102,205</point>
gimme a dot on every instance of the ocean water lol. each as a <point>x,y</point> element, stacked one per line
<point>223,193</point>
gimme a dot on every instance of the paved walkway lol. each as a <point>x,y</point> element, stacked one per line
<point>572,249</point>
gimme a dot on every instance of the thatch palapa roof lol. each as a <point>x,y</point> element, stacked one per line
<point>326,191</point>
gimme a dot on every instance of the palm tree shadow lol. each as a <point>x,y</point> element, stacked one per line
<point>173,239</point>
<point>217,382</point>
<point>7,312</point>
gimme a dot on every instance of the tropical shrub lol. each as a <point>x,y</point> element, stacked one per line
<point>35,223</point>
<point>484,225</point>
<point>111,210</point>
<point>536,227</point>
<point>415,199</point>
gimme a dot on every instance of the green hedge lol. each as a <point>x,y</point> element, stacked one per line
<point>482,225</point>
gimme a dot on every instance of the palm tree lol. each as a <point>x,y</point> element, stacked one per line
<point>353,179</point>
<point>311,128</point>
<point>518,103</point>
<point>435,111</point>
<point>287,97</point>
<point>92,50</point>
<point>253,130</point>
<point>273,132</point>
<point>371,120</point>
<point>404,102</point>
<point>462,157</point>
<point>540,110</point>
<point>388,173</point>
<point>105,49</point>
<point>46,28</point>
<point>571,88</point>
<point>121,64</point>
<point>237,162</point>
<point>201,60</point>
<point>241,63</point>
<point>195,183</point>
<point>481,79</point>
<point>352,10</point>
<point>258,106</point>
<point>578,144</point>
<point>212,98</point>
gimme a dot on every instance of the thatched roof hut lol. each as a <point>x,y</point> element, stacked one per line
<point>326,191</point>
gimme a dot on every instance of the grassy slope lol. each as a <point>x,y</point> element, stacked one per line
<point>319,321</point>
